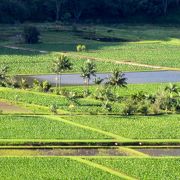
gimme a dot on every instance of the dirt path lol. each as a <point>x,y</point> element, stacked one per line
<point>11,108</point>
<point>98,59</point>
<point>25,49</point>
<point>125,63</point>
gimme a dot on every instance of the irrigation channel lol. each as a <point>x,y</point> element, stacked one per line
<point>132,77</point>
<point>91,151</point>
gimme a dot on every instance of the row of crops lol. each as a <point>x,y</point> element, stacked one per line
<point>166,55</point>
<point>86,127</point>
<point>29,127</point>
<point>89,168</point>
<point>25,62</point>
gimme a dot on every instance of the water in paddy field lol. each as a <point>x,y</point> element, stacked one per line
<point>63,152</point>
<point>160,151</point>
<point>89,152</point>
<point>132,77</point>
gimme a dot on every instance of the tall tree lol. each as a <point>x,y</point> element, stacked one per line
<point>59,5</point>
<point>87,71</point>
<point>77,7</point>
<point>165,6</point>
<point>60,65</point>
<point>117,79</point>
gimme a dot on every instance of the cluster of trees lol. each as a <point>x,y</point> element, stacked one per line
<point>67,10</point>
<point>165,101</point>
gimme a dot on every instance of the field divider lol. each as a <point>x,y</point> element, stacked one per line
<point>156,68</point>
<point>87,127</point>
<point>103,168</point>
<point>132,152</point>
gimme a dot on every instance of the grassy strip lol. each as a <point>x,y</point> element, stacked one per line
<point>103,168</point>
<point>59,147</point>
<point>87,127</point>
<point>157,147</point>
<point>132,152</point>
<point>124,148</point>
<point>88,142</point>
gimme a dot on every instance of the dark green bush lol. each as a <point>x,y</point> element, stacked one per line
<point>31,35</point>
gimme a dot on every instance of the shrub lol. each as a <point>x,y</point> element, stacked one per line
<point>31,35</point>
<point>81,48</point>
<point>156,109</point>
<point>54,108</point>
<point>24,84</point>
<point>46,86</point>
<point>144,109</point>
<point>41,86</point>
<point>129,109</point>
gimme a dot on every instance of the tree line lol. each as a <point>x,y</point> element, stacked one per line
<point>13,11</point>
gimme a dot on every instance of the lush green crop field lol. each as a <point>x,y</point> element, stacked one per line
<point>67,168</point>
<point>144,168</point>
<point>32,97</point>
<point>48,168</point>
<point>24,62</point>
<point>131,88</point>
<point>29,127</point>
<point>153,53</point>
<point>136,127</point>
<point>146,44</point>
<point>84,104</point>
<point>42,99</point>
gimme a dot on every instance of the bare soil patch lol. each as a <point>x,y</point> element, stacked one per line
<point>11,108</point>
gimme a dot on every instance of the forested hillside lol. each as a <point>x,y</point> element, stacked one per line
<point>15,11</point>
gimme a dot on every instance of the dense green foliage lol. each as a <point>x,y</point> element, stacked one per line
<point>144,168</point>
<point>48,168</point>
<point>31,35</point>
<point>29,127</point>
<point>139,127</point>
<point>68,10</point>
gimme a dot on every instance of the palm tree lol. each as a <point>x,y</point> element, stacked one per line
<point>60,65</point>
<point>88,70</point>
<point>117,79</point>
<point>98,81</point>
<point>172,88</point>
